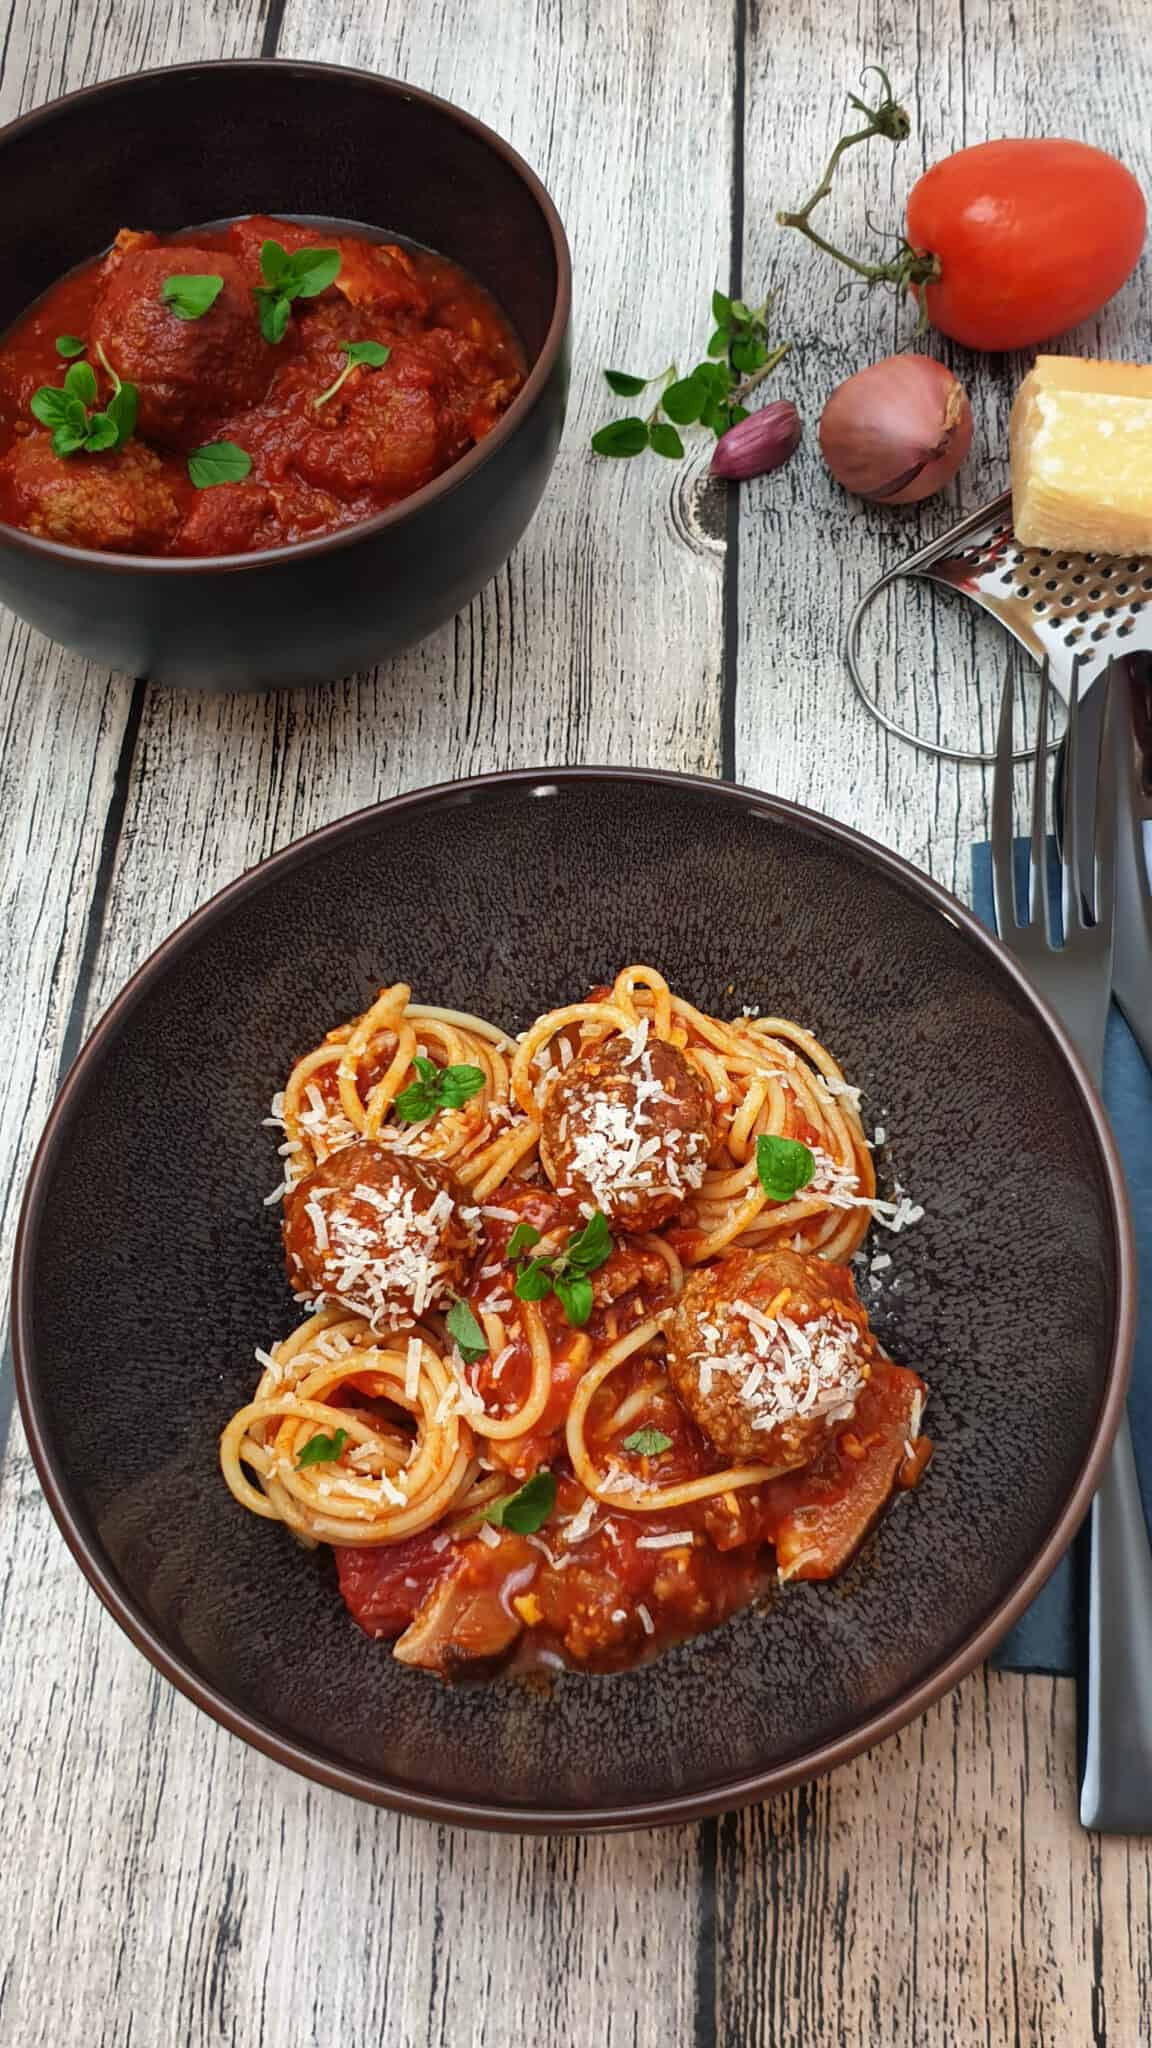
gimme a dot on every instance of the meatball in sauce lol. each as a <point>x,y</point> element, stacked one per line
<point>766,1351</point>
<point>184,370</point>
<point>383,1234</point>
<point>627,1129</point>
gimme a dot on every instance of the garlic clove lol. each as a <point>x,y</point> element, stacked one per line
<point>762,442</point>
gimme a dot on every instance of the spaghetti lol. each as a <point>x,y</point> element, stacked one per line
<point>582,1347</point>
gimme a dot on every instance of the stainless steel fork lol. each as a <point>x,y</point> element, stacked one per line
<point>1075,977</point>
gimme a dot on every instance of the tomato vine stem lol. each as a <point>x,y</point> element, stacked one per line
<point>909,267</point>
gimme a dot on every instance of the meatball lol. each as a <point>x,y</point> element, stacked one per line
<point>386,433</point>
<point>123,499</point>
<point>231,519</point>
<point>386,1235</point>
<point>766,1351</point>
<point>184,370</point>
<point>627,1128</point>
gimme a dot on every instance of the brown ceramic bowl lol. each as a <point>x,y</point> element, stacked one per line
<point>205,142</point>
<point>147,1271</point>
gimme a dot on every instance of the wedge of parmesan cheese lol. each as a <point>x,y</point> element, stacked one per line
<point>1081,435</point>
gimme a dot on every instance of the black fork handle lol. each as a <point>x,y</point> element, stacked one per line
<point>1116,1686</point>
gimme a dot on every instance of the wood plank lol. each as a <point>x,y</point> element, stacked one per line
<point>165,1884</point>
<point>941,1888</point>
<point>232,1895</point>
<point>807,549</point>
<point>63,720</point>
<point>938,1890</point>
<point>602,638</point>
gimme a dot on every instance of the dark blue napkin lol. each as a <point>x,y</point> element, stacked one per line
<point>1045,1637</point>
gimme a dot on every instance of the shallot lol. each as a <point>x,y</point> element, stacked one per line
<point>898,430</point>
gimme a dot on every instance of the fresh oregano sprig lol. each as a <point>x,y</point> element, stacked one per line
<point>71,410</point>
<point>740,356</point>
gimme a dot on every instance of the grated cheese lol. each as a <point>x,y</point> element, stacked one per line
<point>578,1528</point>
<point>787,1370</point>
<point>412,1368</point>
<point>646,1621</point>
<point>488,1535</point>
<point>672,1541</point>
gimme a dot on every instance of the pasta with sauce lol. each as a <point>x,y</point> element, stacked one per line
<point>582,1355</point>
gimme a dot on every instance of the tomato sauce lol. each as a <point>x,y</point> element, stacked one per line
<point>319,459</point>
<point>628,1585</point>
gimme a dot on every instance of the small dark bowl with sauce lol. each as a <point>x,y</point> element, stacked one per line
<point>164,150</point>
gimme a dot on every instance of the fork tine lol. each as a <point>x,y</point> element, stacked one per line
<point>1003,874</point>
<point>1114,780</point>
<point>1039,909</point>
<point>1074,884</point>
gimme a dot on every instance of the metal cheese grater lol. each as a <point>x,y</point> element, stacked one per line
<point>1064,608</point>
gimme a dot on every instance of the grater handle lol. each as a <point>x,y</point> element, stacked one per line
<point>914,565</point>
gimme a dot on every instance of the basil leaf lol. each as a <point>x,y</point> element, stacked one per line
<point>648,1443</point>
<point>624,385</point>
<point>101,433</point>
<point>218,462</point>
<point>526,1510</point>
<point>372,352</point>
<point>574,1293</point>
<point>273,312</point>
<point>66,440</point>
<point>50,406</point>
<point>721,309</point>
<point>459,1084</point>
<point>416,1102</point>
<point>68,345</point>
<point>308,272</point>
<point>718,346</point>
<point>273,262</point>
<point>622,437</point>
<point>121,409</point>
<point>320,1450</point>
<point>522,1240</point>
<point>664,440</point>
<point>740,311</point>
<point>466,1332</point>
<point>682,401</point>
<point>591,1246</point>
<point>784,1166</point>
<point>437,1088</point>
<point>534,1281</point>
<point>80,382</point>
<point>190,296</point>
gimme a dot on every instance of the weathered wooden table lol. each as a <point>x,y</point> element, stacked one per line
<point>161,1885</point>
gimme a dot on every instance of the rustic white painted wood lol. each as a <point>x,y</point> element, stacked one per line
<point>61,720</point>
<point>161,1885</point>
<point>216,783</point>
<point>967,70</point>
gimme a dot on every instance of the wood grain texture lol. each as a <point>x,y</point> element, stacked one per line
<point>162,1884</point>
<point>62,720</point>
<point>215,783</point>
<point>968,70</point>
<point>938,1891</point>
<point>602,638</point>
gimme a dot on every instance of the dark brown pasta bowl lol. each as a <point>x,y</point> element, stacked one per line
<point>206,143</point>
<point>147,1271</point>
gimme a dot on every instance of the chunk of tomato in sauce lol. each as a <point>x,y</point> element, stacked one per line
<point>384,1585</point>
<point>818,1518</point>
